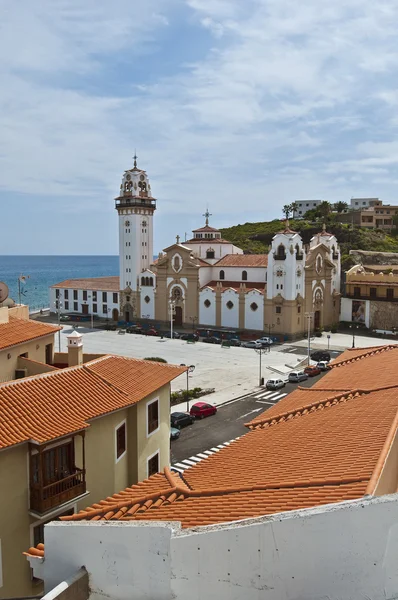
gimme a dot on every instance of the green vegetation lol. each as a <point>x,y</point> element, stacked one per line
<point>156,359</point>
<point>182,396</point>
<point>256,237</point>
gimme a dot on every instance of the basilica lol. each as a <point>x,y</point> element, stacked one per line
<point>207,281</point>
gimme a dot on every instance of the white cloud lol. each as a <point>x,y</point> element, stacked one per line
<point>283,99</point>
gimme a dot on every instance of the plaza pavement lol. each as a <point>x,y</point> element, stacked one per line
<point>233,372</point>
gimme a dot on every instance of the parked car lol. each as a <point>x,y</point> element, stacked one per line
<point>65,318</point>
<point>167,334</point>
<point>320,355</point>
<point>213,339</point>
<point>252,344</point>
<point>266,340</point>
<point>234,342</point>
<point>151,331</point>
<point>135,329</point>
<point>275,384</point>
<point>191,337</point>
<point>297,376</point>
<point>174,433</point>
<point>312,370</point>
<point>180,419</point>
<point>202,409</point>
<point>323,365</point>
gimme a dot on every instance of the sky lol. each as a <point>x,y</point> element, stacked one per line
<point>238,106</point>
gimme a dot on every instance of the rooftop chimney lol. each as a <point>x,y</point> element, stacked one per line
<point>75,349</point>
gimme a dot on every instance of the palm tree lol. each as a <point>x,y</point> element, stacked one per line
<point>340,206</point>
<point>294,206</point>
<point>287,209</point>
<point>324,209</point>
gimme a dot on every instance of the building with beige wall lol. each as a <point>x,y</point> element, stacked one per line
<point>371,296</point>
<point>70,437</point>
<point>23,337</point>
<point>370,213</point>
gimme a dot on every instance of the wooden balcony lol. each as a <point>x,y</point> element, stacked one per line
<point>44,498</point>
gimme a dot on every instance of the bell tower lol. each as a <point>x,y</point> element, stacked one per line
<point>135,206</point>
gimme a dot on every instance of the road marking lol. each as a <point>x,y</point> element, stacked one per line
<point>249,413</point>
<point>264,402</point>
<point>195,458</point>
<point>277,398</point>
<point>181,465</point>
<point>208,452</point>
<point>268,395</point>
<point>174,468</point>
<point>204,455</point>
<point>215,449</point>
<point>189,462</point>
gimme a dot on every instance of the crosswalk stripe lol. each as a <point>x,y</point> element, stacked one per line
<point>204,455</point>
<point>189,462</point>
<point>208,452</point>
<point>174,468</point>
<point>279,397</point>
<point>180,465</point>
<point>221,446</point>
<point>195,458</point>
<point>264,394</point>
<point>265,402</point>
<point>215,449</point>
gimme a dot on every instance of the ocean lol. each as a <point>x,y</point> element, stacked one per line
<point>43,271</point>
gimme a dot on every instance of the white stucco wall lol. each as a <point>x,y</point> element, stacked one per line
<point>257,274</point>
<point>254,319</point>
<point>207,315</point>
<point>99,302</point>
<point>341,552</point>
<point>205,275</point>
<point>346,310</point>
<point>292,282</point>
<point>220,250</point>
<point>230,316</point>
<point>147,308</point>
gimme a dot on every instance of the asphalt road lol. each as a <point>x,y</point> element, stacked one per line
<point>226,424</point>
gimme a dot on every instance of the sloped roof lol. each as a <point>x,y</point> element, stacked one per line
<point>45,407</point>
<point>207,229</point>
<point>235,285</point>
<point>208,241</point>
<point>17,331</point>
<point>243,260</point>
<point>111,284</point>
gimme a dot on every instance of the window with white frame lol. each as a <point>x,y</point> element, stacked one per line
<point>153,464</point>
<point>152,416</point>
<point>121,440</point>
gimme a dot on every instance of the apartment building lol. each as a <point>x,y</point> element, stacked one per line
<point>303,206</point>
<point>70,437</point>
<point>375,215</point>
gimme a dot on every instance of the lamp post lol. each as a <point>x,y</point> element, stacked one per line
<point>270,326</point>
<point>354,328</point>
<point>191,369</point>
<point>309,316</point>
<point>261,351</point>
<point>193,319</point>
<point>90,297</point>
<point>172,310</point>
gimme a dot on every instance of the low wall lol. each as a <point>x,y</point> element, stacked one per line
<point>34,367</point>
<point>347,550</point>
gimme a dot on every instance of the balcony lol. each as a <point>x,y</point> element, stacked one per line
<point>44,498</point>
<point>135,201</point>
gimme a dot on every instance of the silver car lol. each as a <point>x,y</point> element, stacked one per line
<point>252,344</point>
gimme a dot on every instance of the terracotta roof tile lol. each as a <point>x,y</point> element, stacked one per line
<point>243,260</point>
<point>18,331</point>
<point>49,406</point>
<point>207,241</point>
<point>111,284</point>
<point>235,285</point>
<point>206,228</point>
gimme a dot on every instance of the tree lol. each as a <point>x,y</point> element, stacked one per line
<point>294,206</point>
<point>324,209</point>
<point>340,206</point>
<point>287,209</point>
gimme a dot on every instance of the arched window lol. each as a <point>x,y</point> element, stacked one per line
<point>210,253</point>
<point>142,280</point>
<point>151,281</point>
<point>146,280</point>
<point>222,275</point>
<point>244,275</point>
<point>280,253</point>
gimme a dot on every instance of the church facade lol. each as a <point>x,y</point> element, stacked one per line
<point>208,281</point>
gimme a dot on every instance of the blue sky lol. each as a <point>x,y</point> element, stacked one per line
<point>241,106</point>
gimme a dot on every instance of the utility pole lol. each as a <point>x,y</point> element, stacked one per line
<point>309,316</point>
<point>172,312</point>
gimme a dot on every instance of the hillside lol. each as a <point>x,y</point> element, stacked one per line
<point>256,237</point>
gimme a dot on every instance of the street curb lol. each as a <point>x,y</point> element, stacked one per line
<point>240,397</point>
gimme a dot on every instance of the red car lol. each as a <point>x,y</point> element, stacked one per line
<point>202,409</point>
<point>152,331</point>
<point>312,371</point>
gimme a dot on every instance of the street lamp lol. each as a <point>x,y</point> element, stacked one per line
<point>191,369</point>
<point>193,319</point>
<point>354,328</point>
<point>91,310</point>
<point>261,351</point>
<point>172,310</point>
<point>269,328</point>
<point>309,316</point>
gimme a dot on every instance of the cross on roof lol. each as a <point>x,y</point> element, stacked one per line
<point>207,215</point>
<point>135,159</point>
<point>178,239</point>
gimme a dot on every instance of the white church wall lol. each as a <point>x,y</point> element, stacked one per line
<point>254,318</point>
<point>256,274</point>
<point>220,250</point>
<point>207,314</point>
<point>205,275</point>
<point>147,302</point>
<point>72,305</point>
<point>230,316</point>
<point>347,550</point>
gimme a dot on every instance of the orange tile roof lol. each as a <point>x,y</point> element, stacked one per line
<point>207,241</point>
<point>243,260</point>
<point>48,406</point>
<point>235,285</point>
<point>19,331</point>
<point>206,228</point>
<point>111,284</point>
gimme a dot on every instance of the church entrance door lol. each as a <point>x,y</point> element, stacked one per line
<point>115,314</point>
<point>127,316</point>
<point>178,316</point>
<point>317,319</point>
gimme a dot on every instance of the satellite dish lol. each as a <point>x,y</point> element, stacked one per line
<point>3,291</point>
